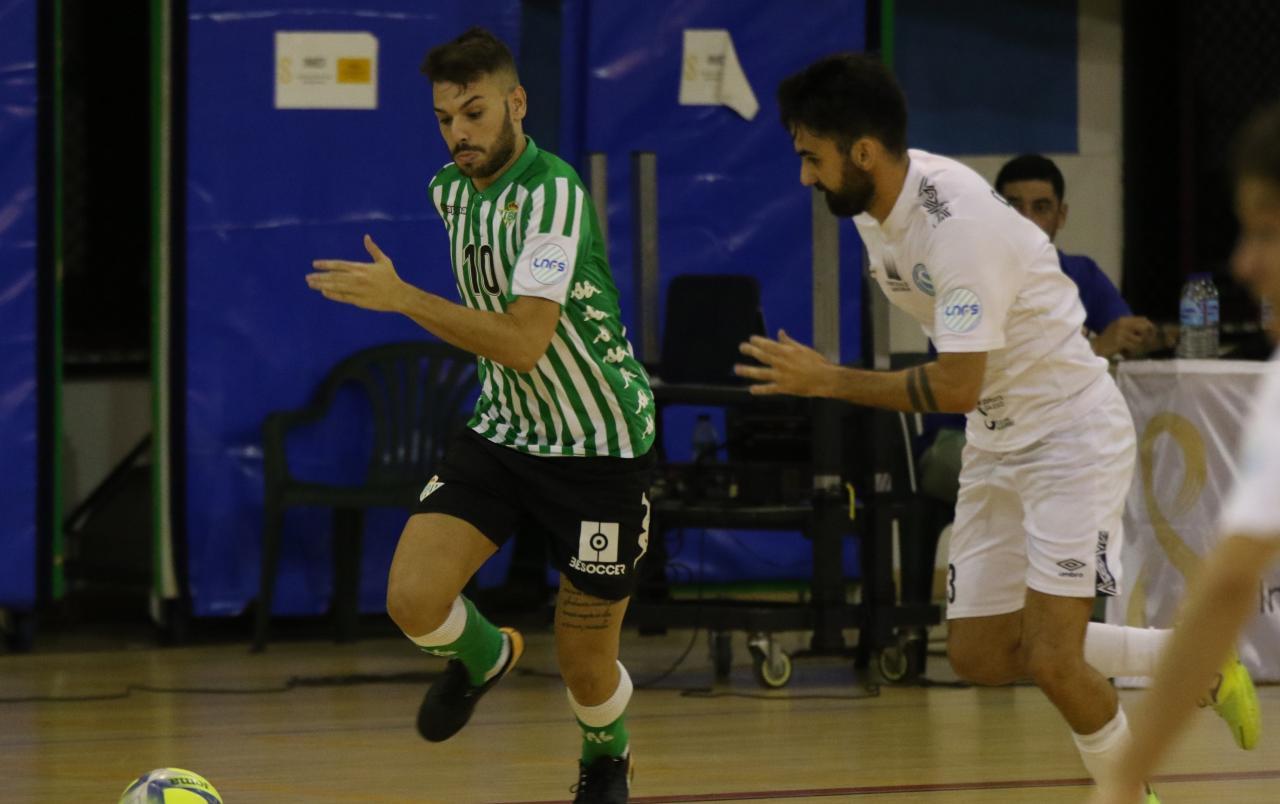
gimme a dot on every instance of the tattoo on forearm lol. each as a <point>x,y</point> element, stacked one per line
<point>926,391</point>
<point>582,612</point>
<point>913,391</point>
<point>920,392</point>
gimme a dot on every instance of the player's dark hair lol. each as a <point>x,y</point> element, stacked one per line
<point>846,96</point>
<point>1256,151</point>
<point>1031,167</point>
<point>475,53</point>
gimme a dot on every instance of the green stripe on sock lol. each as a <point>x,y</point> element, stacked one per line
<point>609,741</point>
<point>478,648</point>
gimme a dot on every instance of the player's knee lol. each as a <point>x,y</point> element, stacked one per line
<point>416,607</point>
<point>978,664</point>
<point>1053,667</point>
<point>590,676</point>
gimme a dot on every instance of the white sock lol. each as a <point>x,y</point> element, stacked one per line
<point>1118,650</point>
<point>601,715</point>
<point>502,658</point>
<point>1101,750</point>
<point>449,631</point>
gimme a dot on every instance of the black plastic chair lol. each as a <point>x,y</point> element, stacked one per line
<point>419,394</point>
<point>707,316</point>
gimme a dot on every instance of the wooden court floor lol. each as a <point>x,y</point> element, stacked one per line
<point>321,741</point>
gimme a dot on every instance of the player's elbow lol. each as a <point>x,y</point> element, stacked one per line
<point>527,357</point>
<point>962,399</point>
<point>523,362</point>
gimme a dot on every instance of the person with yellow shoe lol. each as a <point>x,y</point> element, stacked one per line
<point>1222,598</point>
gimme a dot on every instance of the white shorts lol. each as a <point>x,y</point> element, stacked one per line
<point>1047,516</point>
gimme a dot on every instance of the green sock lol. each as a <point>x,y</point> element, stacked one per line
<point>478,648</point>
<point>609,741</point>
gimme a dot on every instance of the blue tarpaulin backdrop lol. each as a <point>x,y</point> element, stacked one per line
<point>269,190</point>
<point>997,77</point>
<point>729,195</point>
<point>18,299</point>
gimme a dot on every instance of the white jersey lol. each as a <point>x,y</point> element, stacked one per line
<point>1253,506</point>
<point>979,277</point>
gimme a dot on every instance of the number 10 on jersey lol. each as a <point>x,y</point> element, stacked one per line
<point>480,270</point>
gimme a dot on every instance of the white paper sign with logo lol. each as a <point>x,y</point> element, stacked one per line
<point>326,70</point>
<point>711,74</point>
<point>1188,415</point>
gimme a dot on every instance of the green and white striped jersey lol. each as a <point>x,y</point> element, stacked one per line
<point>534,232</point>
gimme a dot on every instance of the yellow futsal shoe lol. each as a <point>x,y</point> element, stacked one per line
<point>1150,797</point>
<point>1236,702</point>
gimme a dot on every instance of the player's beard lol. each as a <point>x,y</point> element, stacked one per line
<point>854,194</point>
<point>500,152</point>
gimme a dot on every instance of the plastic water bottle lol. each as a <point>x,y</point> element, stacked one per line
<point>1198,319</point>
<point>706,441</point>
<point>1212,320</point>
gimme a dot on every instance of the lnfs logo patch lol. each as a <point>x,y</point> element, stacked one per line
<point>961,310</point>
<point>549,264</point>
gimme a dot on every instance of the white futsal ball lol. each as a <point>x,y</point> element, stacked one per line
<point>170,786</point>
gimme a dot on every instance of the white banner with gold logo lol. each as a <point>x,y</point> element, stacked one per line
<point>1188,415</point>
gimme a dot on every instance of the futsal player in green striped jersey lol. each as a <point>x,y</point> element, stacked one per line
<point>559,443</point>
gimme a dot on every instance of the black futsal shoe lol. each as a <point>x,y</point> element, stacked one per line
<point>607,780</point>
<point>452,698</point>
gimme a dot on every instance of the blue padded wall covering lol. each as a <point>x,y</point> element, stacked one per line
<point>267,191</point>
<point>729,195</point>
<point>19,443</point>
<point>997,77</point>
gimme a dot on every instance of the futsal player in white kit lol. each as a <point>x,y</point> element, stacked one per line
<point>1224,597</point>
<point>1050,449</point>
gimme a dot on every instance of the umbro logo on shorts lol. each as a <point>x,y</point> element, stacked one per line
<point>1072,567</point>
<point>432,484</point>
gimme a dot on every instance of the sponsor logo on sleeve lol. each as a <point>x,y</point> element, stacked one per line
<point>548,264</point>
<point>961,310</point>
<point>920,275</point>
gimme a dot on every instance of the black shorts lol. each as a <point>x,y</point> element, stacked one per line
<point>594,512</point>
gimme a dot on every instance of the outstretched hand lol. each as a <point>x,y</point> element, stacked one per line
<point>371,285</point>
<point>789,367</point>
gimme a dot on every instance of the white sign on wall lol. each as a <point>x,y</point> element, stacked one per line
<point>326,70</point>
<point>711,74</point>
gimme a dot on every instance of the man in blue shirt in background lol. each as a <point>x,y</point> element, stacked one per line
<point>1034,186</point>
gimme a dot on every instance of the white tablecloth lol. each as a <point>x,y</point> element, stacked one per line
<point>1188,415</point>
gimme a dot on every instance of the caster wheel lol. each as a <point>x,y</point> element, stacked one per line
<point>893,663</point>
<point>772,664</point>
<point>900,661</point>
<point>722,654</point>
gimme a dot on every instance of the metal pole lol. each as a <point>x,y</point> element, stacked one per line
<point>598,183</point>
<point>164,578</point>
<point>826,280</point>
<point>830,517</point>
<point>644,209</point>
